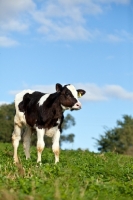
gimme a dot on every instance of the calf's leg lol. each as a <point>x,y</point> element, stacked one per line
<point>40,143</point>
<point>55,146</point>
<point>27,141</point>
<point>16,136</point>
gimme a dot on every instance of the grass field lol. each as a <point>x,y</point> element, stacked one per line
<point>79,175</point>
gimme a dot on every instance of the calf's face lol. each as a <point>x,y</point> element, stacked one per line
<point>69,96</point>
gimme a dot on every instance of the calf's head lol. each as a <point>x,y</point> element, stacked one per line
<point>69,96</point>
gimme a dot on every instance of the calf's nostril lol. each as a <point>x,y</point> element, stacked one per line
<point>78,105</point>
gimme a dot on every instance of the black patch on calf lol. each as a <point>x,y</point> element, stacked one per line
<point>29,99</point>
<point>28,106</point>
<point>49,112</point>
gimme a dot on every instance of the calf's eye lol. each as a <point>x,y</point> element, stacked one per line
<point>67,94</point>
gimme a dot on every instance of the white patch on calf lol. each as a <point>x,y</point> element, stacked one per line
<point>19,96</point>
<point>58,121</point>
<point>73,91</point>
<point>43,98</point>
<point>20,117</point>
<point>50,132</point>
<point>65,108</point>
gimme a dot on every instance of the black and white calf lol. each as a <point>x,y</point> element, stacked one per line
<point>43,113</point>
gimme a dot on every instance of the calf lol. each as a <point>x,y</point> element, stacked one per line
<point>43,113</point>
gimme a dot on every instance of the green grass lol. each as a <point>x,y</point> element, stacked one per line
<point>80,175</point>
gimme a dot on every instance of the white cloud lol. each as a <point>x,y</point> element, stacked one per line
<point>56,20</point>
<point>56,32</point>
<point>116,91</point>
<point>14,14</point>
<point>114,38</point>
<point>41,88</point>
<point>96,93</point>
<point>14,25</point>
<point>114,1</point>
<point>63,20</point>
<point>93,91</point>
<point>7,42</point>
<point>118,36</point>
<point>67,20</point>
<point>11,9</point>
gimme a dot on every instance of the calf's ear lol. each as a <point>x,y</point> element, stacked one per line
<point>58,87</point>
<point>81,92</point>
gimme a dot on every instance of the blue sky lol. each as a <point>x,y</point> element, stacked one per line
<point>88,43</point>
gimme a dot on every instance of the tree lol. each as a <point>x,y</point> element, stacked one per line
<point>7,112</point>
<point>118,139</point>
<point>67,123</point>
